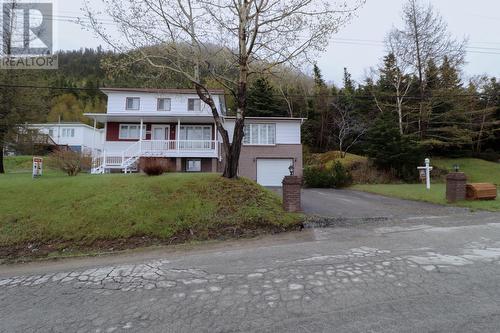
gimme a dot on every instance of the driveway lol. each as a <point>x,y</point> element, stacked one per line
<point>415,274</point>
<point>355,204</point>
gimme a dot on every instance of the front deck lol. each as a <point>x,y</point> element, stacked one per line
<point>127,159</point>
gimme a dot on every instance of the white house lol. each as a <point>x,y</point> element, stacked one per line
<point>77,136</point>
<point>177,127</point>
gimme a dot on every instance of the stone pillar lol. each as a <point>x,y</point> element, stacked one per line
<point>456,187</point>
<point>178,164</point>
<point>292,186</point>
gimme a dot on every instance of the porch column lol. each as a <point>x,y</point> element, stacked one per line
<point>140,136</point>
<point>93,138</point>
<point>178,134</point>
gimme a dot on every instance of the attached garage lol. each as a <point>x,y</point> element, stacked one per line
<point>271,171</point>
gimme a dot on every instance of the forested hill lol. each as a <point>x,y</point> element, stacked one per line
<point>455,115</point>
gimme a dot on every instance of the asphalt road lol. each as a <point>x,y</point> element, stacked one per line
<point>425,269</point>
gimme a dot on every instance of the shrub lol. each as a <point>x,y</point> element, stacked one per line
<point>322,177</point>
<point>70,162</point>
<point>153,167</point>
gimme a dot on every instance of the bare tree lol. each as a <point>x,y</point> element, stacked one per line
<point>424,38</point>
<point>254,36</point>
<point>348,130</point>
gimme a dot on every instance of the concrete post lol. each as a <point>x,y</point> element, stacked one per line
<point>292,186</point>
<point>456,184</point>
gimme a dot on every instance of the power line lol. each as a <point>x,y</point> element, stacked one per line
<point>276,95</point>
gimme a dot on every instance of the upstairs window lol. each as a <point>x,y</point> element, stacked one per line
<point>260,134</point>
<point>68,133</point>
<point>194,104</point>
<point>164,104</point>
<point>133,103</point>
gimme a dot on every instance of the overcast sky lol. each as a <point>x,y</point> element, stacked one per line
<point>359,45</point>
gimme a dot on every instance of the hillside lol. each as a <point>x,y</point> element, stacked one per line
<point>59,213</point>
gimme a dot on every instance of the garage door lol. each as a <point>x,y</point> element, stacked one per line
<point>270,172</point>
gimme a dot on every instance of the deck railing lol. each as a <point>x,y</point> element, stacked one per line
<point>160,148</point>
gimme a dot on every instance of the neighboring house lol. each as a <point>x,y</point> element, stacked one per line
<point>77,136</point>
<point>176,126</point>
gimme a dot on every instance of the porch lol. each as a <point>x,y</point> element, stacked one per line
<point>129,138</point>
<point>128,159</point>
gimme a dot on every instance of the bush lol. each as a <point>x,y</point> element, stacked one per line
<point>322,177</point>
<point>70,162</point>
<point>153,167</point>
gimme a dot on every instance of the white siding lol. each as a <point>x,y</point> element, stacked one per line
<point>287,131</point>
<point>148,103</point>
<point>83,135</point>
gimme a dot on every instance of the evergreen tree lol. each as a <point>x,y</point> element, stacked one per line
<point>263,100</point>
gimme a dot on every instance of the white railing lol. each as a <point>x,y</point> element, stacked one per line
<point>171,147</point>
<point>159,148</point>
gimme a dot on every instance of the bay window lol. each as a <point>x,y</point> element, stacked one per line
<point>260,134</point>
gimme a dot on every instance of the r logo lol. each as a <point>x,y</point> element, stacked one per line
<point>27,28</point>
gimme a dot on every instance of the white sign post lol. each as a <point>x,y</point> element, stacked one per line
<point>428,170</point>
<point>37,167</point>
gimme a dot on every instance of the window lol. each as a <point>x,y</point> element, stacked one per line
<point>196,133</point>
<point>195,137</point>
<point>133,103</point>
<point>131,132</point>
<point>193,165</point>
<point>164,104</point>
<point>51,133</point>
<point>260,134</point>
<point>68,133</point>
<point>194,104</point>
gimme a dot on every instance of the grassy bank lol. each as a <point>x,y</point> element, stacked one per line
<point>58,212</point>
<point>418,192</point>
<point>477,171</point>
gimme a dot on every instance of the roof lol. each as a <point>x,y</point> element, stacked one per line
<point>150,117</point>
<point>269,118</point>
<point>62,123</point>
<point>161,91</point>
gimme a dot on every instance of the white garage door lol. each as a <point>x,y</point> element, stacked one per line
<point>270,172</point>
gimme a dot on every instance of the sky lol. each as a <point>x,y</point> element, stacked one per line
<point>359,45</point>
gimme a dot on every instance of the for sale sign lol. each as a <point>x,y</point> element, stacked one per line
<point>37,167</point>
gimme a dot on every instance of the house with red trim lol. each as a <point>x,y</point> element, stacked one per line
<point>174,125</point>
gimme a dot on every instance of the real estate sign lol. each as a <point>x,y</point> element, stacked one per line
<point>37,167</point>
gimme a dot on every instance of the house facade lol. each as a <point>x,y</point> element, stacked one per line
<point>77,136</point>
<point>174,125</point>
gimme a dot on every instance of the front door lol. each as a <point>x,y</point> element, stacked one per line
<point>160,132</point>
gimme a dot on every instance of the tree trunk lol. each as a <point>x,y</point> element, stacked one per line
<point>233,152</point>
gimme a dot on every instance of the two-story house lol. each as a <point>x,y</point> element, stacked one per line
<point>175,125</point>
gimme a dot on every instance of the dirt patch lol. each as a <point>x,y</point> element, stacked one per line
<point>36,250</point>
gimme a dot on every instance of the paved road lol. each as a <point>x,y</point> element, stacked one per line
<point>414,273</point>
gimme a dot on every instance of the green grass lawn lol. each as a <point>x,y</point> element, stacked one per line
<point>173,207</point>
<point>477,171</point>
<point>418,192</point>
